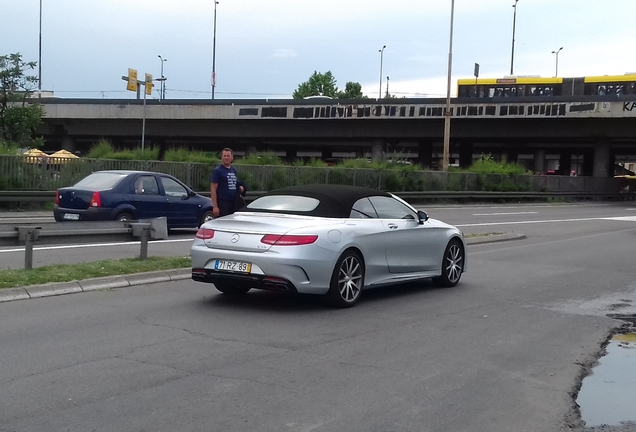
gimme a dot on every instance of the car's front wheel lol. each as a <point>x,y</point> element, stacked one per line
<point>347,280</point>
<point>452,265</point>
<point>227,288</point>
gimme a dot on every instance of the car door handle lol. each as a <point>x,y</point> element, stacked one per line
<point>393,226</point>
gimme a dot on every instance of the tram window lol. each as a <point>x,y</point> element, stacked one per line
<point>601,90</point>
<point>520,91</point>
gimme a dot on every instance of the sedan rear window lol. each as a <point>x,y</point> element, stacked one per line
<point>100,181</point>
<point>283,203</point>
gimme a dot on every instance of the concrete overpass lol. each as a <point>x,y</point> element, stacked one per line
<point>582,134</point>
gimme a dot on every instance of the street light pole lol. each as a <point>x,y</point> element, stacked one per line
<point>387,86</point>
<point>447,111</point>
<point>556,71</point>
<point>214,52</point>
<point>40,55</point>
<point>381,51</point>
<point>514,24</point>
<point>162,90</point>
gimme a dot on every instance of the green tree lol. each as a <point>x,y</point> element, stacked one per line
<point>20,115</point>
<point>353,90</point>
<point>318,84</point>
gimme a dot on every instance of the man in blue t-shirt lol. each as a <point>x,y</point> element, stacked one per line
<point>225,188</point>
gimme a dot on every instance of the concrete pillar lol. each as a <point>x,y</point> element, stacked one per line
<point>68,143</point>
<point>511,155</point>
<point>425,153</point>
<point>602,158</point>
<point>588,163</point>
<point>465,154</point>
<point>377,149</point>
<point>565,163</point>
<point>290,155</point>
<point>250,149</point>
<point>116,142</point>
<point>162,144</point>
<point>539,161</point>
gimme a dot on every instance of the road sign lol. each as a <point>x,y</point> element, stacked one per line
<point>132,80</point>
<point>149,84</point>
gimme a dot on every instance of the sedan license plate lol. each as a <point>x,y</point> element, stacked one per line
<point>235,266</point>
<point>71,216</point>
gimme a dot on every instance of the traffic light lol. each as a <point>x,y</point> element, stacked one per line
<point>132,80</point>
<point>149,84</point>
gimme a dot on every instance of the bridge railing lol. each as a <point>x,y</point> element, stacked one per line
<point>19,173</point>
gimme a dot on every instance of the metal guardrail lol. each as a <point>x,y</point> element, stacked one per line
<point>89,232</point>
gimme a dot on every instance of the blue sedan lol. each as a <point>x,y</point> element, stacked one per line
<point>132,195</point>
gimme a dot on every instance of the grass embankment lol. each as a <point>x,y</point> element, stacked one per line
<point>10,278</point>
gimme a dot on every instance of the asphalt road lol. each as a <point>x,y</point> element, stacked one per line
<point>503,351</point>
<point>537,221</point>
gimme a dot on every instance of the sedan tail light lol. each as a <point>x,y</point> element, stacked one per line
<point>288,240</point>
<point>96,200</point>
<point>57,197</point>
<point>205,234</point>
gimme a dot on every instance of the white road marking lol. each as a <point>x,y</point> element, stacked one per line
<point>620,218</point>
<point>503,214</point>
<point>79,246</point>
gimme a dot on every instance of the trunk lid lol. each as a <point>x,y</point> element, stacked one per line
<point>243,231</point>
<point>70,198</point>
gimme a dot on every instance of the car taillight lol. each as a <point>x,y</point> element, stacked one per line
<point>204,234</point>
<point>96,200</point>
<point>57,197</point>
<point>288,240</point>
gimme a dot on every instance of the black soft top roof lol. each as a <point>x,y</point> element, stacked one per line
<point>336,201</point>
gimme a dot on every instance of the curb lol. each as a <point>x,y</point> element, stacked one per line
<point>94,284</point>
<point>113,282</point>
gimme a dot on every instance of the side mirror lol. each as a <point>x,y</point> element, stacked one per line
<point>422,215</point>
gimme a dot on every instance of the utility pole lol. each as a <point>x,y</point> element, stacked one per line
<point>214,52</point>
<point>381,58</point>
<point>514,24</point>
<point>447,110</point>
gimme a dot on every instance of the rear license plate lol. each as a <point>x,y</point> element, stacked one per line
<point>71,216</point>
<point>235,266</point>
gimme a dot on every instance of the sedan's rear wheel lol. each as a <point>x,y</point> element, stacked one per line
<point>347,280</point>
<point>227,288</point>
<point>206,217</point>
<point>452,265</point>
<point>124,217</point>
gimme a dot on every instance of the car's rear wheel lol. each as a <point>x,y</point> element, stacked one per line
<point>206,217</point>
<point>452,265</point>
<point>228,288</point>
<point>124,216</point>
<point>347,280</point>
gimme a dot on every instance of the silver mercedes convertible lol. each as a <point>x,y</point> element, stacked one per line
<point>326,239</point>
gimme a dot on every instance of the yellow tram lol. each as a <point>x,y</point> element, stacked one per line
<point>528,86</point>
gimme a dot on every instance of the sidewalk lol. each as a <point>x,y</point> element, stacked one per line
<point>123,281</point>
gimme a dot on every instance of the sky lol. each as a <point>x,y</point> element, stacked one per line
<point>265,48</point>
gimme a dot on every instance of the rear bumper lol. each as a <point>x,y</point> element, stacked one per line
<point>89,214</point>
<point>253,281</point>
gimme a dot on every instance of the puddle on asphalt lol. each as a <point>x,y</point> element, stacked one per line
<point>607,395</point>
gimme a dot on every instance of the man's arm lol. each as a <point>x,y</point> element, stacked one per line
<point>215,201</point>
